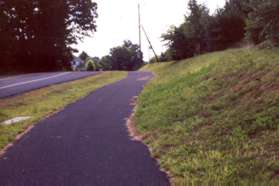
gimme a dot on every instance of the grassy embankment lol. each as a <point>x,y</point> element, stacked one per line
<point>215,118</point>
<point>41,103</point>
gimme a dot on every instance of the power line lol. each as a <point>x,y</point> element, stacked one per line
<point>140,27</point>
<point>150,44</point>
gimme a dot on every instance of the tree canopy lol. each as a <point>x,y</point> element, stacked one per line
<point>239,21</point>
<point>37,35</point>
<point>126,57</point>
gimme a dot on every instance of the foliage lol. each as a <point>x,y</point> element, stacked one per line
<point>84,56</point>
<point>227,26</point>
<point>91,66</point>
<point>263,21</point>
<point>127,57</point>
<point>201,32</point>
<point>106,62</point>
<point>191,37</point>
<point>36,35</point>
<point>212,121</point>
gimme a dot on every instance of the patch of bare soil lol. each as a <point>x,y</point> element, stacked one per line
<point>133,132</point>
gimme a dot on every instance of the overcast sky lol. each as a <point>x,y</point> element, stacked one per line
<point>117,22</point>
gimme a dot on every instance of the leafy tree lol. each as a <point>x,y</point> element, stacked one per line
<point>90,66</point>
<point>196,26</point>
<point>263,21</point>
<point>84,56</point>
<point>126,57</point>
<point>202,32</point>
<point>180,45</point>
<point>227,27</point>
<point>191,37</point>
<point>41,33</point>
<point>106,62</point>
<point>96,59</point>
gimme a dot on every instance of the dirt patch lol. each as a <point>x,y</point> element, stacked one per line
<point>133,132</point>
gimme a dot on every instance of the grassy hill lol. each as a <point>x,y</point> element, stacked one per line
<point>214,118</point>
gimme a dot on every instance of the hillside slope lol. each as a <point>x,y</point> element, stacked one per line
<point>215,117</point>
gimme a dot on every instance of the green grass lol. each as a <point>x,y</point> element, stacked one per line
<point>214,119</point>
<point>43,102</point>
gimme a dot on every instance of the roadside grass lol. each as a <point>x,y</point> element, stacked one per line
<point>43,102</point>
<point>214,119</point>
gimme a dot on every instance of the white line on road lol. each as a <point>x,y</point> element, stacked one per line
<point>35,80</point>
<point>7,78</point>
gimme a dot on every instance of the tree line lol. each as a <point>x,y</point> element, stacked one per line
<point>126,57</point>
<point>238,22</point>
<point>37,35</point>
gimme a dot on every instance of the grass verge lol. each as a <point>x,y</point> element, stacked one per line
<point>214,119</point>
<point>43,102</point>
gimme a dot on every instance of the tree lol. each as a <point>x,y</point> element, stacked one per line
<point>126,57</point>
<point>263,21</point>
<point>83,56</point>
<point>42,33</point>
<point>227,27</point>
<point>106,62</point>
<point>180,45</point>
<point>202,32</point>
<point>195,26</point>
<point>90,66</point>
<point>191,37</point>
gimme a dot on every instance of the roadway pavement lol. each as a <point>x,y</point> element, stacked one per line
<point>87,144</point>
<point>14,85</point>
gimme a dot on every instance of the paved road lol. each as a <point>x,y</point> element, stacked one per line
<point>86,144</point>
<point>14,85</point>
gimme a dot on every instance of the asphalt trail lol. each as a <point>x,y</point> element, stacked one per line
<point>14,85</point>
<point>87,144</point>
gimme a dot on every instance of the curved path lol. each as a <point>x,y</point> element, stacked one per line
<point>87,144</point>
<point>14,85</point>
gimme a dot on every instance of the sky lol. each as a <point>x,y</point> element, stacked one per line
<point>118,21</point>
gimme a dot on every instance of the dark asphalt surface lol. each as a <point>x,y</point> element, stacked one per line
<point>14,85</point>
<point>87,144</point>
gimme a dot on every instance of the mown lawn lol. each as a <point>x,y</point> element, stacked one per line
<point>43,102</point>
<point>214,119</point>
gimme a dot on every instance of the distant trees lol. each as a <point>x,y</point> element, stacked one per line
<point>36,35</point>
<point>106,62</point>
<point>92,65</point>
<point>126,57</point>
<point>83,56</point>
<point>255,21</point>
<point>89,63</point>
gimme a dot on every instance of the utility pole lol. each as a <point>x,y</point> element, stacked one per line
<point>139,19</point>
